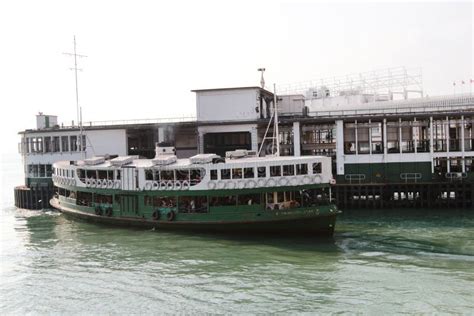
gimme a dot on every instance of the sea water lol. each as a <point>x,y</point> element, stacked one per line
<point>378,262</point>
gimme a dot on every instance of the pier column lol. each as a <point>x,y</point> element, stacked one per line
<point>339,147</point>
<point>446,137</point>
<point>462,145</point>
<point>431,143</point>
<point>384,127</point>
<point>296,139</point>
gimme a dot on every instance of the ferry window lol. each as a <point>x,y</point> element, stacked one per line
<point>73,142</point>
<point>302,169</point>
<point>196,175</point>
<point>149,174</point>
<point>281,196</point>
<point>118,174</point>
<point>192,204</point>
<point>249,199</point>
<point>236,173</point>
<point>262,172</point>
<point>275,171</point>
<point>213,174</point>
<point>64,143</point>
<point>270,197</point>
<point>317,167</point>
<point>84,198</point>
<point>164,201</point>
<point>110,174</point>
<point>148,200</point>
<point>91,174</point>
<point>81,174</point>
<point>288,170</point>
<point>56,144</point>
<point>167,175</point>
<point>182,175</point>
<point>156,175</point>
<point>102,174</point>
<point>248,173</point>
<point>47,144</point>
<point>102,199</point>
<point>227,200</point>
<point>225,174</point>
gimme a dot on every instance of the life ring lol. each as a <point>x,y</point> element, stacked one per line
<point>117,184</point>
<point>270,183</point>
<point>283,181</point>
<point>317,179</point>
<point>221,184</point>
<point>98,211</point>
<point>306,180</point>
<point>148,186</point>
<point>156,215</point>
<point>169,185</point>
<point>178,185</point>
<point>241,184</point>
<point>162,185</point>
<point>185,185</point>
<point>251,184</point>
<point>230,185</point>
<point>294,181</point>
<point>211,185</point>
<point>170,216</point>
<point>108,211</point>
<point>73,182</point>
<point>261,183</point>
<point>110,184</point>
<point>333,181</point>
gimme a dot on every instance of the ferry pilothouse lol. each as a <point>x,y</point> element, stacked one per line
<point>239,193</point>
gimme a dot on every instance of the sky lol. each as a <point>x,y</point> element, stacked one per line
<point>144,57</point>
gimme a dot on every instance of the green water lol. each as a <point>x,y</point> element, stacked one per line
<point>378,263</point>
<point>421,263</point>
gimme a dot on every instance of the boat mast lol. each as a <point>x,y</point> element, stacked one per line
<point>277,134</point>
<point>274,117</point>
<point>78,109</point>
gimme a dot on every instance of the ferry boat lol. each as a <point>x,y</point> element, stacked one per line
<point>239,193</point>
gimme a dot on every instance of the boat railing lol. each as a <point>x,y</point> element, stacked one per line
<point>358,177</point>
<point>407,176</point>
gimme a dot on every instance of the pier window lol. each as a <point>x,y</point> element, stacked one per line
<point>393,137</point>
<point>468,135</point>
<point>213,174</point>
<point>56,144</point>
<point>317,168</point>
<point>64,143</point>
<point>439,135</point>
<point>275,171</point>
<point>225,174</point>
<point>39,141</point>
<point>288,170</point>
<point>248,173</point>
<point>376,135</point>
<point>301,169</point>
<point>84,143</point>
<point>262,172</point>
<point>408,145</point>
<point>73,143</point>
<point>440,165</point>
<point>362,130</point>
<point>349,138</point>
<point>47,145</point>
<point>193,204</point>
<point>454,127</point>
<point>49,170</point>
<point>455,164</point>
<point>469,164</point>
<point>27,145</point>
<point>248,199</point>
<point>237,173</point>
<point>422,134</point>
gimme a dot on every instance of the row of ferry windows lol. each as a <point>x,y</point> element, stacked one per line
<point>261,172</point>
<point>53,144</point>
<point>64,173</point>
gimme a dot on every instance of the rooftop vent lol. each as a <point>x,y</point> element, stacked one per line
<point>164,160</point>
<point>122,160</point>
<point>94,161</point>
<point>203,158</point>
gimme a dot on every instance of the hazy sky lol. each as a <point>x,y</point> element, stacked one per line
<point>144,57</point>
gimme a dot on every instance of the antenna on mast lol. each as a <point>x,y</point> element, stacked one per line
<point>78,109</point>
